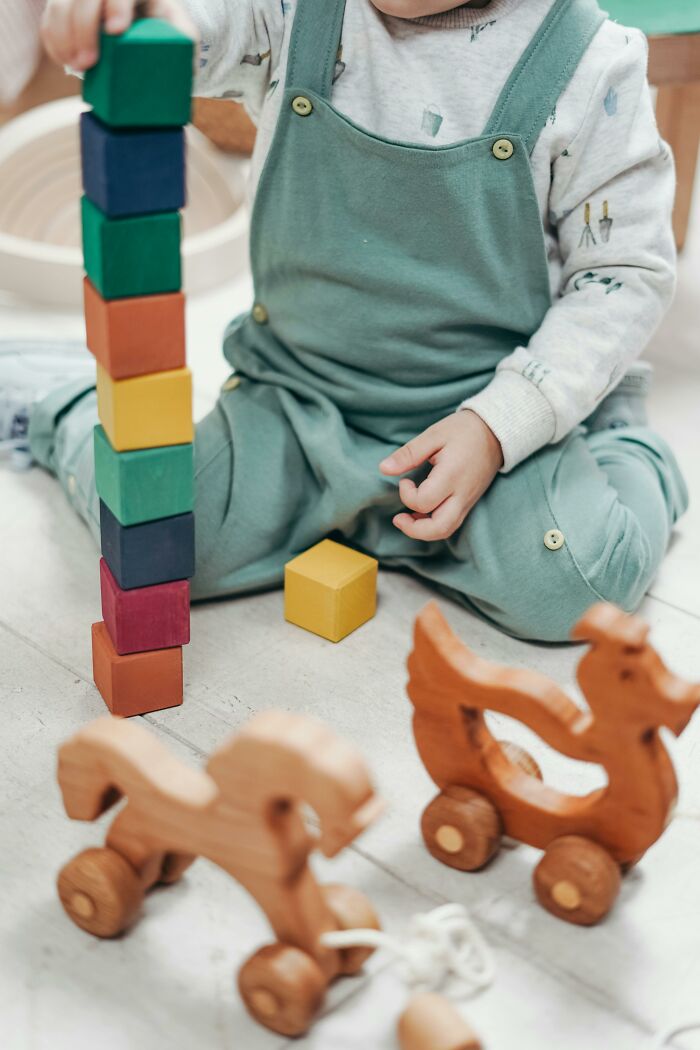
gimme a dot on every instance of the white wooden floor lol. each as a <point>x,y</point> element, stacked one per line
<point>169,984</point>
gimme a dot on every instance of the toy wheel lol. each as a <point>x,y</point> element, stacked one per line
<point>352,911</point>
<point>577,880</point>
<point>283,988</point>
<point>520,757</point>
<point>100,891</point>
<point>462,828</point>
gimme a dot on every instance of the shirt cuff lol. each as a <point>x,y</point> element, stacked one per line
<point>519,415</point>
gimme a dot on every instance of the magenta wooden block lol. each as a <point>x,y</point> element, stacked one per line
<point>145,618</point>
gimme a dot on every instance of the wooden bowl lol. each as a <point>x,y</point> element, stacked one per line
<point>40,254</point>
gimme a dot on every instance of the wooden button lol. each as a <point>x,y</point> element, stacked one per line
<point>231,383</point>
<point>82,905</point>
<point>449,838</point>
<point>302,105</point>
<point>260,314</point>
<point>567,895</point>
<point>264,1002</point>
<point>503,149</point>
<point>553,539</point>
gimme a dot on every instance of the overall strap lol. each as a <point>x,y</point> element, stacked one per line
<point>545,69</point>
<point>314,44</point>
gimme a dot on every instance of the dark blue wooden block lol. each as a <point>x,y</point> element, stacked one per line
<point>149,553</point>
<point>133,171</point>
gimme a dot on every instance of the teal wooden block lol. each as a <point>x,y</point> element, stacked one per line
<point>143,77</point>
<point>145,485</point>
<point>135,256</point>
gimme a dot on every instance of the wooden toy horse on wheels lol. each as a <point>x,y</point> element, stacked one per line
<point>243,813</point>
<point>488,788</point>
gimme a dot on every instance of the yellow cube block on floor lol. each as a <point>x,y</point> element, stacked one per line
<point>330,590</point>
<point>146,411</point>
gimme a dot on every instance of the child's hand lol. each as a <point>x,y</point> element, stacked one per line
<point>465,456</point>
<point>70,28</point>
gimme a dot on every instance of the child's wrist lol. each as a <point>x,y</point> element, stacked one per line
<point>492,446</point>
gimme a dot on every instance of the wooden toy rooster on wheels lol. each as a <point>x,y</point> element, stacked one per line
<point>488,788</point>
<point>243,813</point>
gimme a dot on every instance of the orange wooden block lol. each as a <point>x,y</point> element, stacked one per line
<point>137,336</point>
<point>138,683</point>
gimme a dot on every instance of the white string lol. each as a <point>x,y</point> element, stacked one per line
<point>444,944</point>
<point>440,944</point>
<point>662,1040</point>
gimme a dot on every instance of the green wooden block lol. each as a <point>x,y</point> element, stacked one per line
<point>143,77</point>
<point>145,485</point>
<point>139,255</point>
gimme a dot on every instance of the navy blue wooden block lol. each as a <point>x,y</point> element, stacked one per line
<point>149,553</point>
<point>132,171</point>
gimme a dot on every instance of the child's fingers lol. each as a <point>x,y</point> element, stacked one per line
<point>404,522</point>
<point>439,526</point>
<point>413,453</point>
<point>85,30</point>
<point>70,28</point>
<point>427,496</point>
<point>119,15</point>
<point>57,30</point>
<point>174,13</point>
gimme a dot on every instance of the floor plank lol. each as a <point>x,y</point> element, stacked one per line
<point>169,983</point>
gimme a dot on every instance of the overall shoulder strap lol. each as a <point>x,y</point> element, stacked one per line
<point>314,44</point>
<point>545,69</point>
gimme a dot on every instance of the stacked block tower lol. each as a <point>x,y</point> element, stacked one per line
<point>133,154</point>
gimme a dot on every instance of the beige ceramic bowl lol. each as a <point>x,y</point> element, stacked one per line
<point>40,188</point>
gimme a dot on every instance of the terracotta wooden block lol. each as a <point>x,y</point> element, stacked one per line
<point>132,171</point>
<point>431,1022</point>
<point>136,256</point>
<point>143,78</point>
<point>144,485</point>
<point>135,336</point>
<point>488,788</point>
<point>246,813</point>
<point>150,553</point>
<point>135,684</point>
<point>148,411</point>
<point>147,617</point>
<point>330,590</point>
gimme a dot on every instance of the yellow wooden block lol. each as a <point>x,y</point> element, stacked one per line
<point>146,411</point>
<point>330,590</point>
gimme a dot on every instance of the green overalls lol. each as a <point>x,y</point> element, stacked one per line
<point>390,280</point>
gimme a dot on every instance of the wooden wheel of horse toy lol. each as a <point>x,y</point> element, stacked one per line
<point>244,814</point>
<point>488,789</point>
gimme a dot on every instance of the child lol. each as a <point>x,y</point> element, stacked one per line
<point>460,244</point>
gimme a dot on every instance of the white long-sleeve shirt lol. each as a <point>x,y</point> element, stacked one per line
<point>604,180</point>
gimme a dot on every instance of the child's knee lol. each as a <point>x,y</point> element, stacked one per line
<point>603,560</point>
<point>631,570</point>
